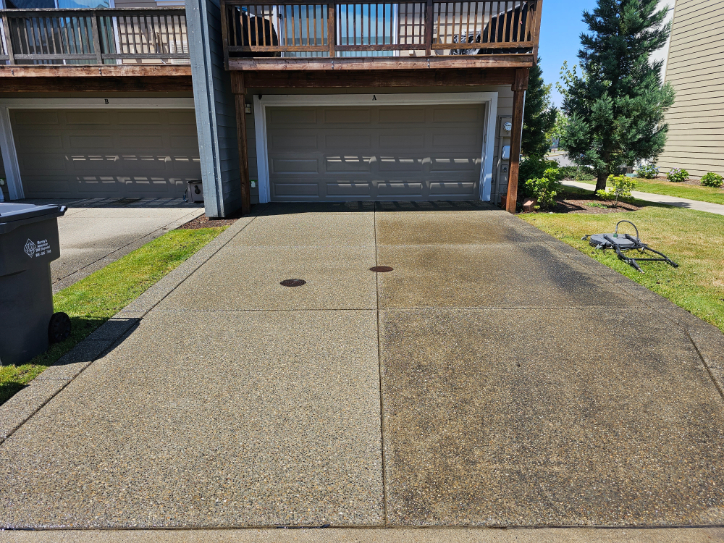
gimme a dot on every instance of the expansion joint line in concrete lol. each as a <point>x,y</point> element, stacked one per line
<point>379,371</point>
<point>713,378</point>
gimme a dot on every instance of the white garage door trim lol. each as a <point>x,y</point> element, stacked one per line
<point>7,143</point>
<point>261,103</point>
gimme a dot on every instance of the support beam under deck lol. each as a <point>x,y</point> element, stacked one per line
<point>239,90</point>
<point>516,135</point>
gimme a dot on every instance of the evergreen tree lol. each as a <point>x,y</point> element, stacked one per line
<point>539,116</point>
<point>616,106</point>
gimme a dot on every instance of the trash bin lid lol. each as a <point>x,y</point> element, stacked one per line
<point>21,212</point>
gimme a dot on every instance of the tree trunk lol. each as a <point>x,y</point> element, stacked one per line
<point>601,181</point>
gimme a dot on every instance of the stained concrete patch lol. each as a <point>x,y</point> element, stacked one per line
<point>310,230</point>
<point>374,535</point>
<point>219,420</point>
<point>453,228</point>
<point>248,278</point>
<point>548,417</point>
<point>494,275</point>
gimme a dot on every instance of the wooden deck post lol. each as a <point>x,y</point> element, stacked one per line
<point>519,87</point>
<point>237,87</point>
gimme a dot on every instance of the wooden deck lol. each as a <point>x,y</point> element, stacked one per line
<point>71,38</point>
<point>407,35</point>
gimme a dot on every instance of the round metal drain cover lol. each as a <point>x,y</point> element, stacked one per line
<point>381,269</point>
<point>292,282</point>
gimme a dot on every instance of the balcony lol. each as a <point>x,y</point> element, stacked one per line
<point>406,35</point>
<point>93,37</point>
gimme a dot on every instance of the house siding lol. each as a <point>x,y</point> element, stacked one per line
<point>215,111</point>
<point>695,69</point>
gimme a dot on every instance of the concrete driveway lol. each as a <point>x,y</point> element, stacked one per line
<point>496,377</point>
<point>97,231</point>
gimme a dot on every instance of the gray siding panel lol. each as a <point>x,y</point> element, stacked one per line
<point>215,112</point>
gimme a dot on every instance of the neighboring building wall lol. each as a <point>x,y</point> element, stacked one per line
<point>696,69</point>
<point>215,112</point>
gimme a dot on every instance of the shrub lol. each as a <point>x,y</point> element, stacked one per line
<point>621,190</point>
<point>677,175</point>
<point>578,173</point>
<point>533,168</point>
<point>545,188</point>
<point>647,171</point>
<point>712,179</point>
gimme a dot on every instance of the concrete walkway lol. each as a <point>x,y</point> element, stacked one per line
<point>97,231</point>
<point>495,378</point>
<point>717,209</point>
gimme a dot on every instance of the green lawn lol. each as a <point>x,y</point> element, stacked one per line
<point>93,300</point>
<point>667,188</point>
<point>692,239</point>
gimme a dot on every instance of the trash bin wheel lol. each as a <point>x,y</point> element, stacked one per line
<point>59,327</point>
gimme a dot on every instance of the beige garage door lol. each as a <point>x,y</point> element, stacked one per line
<point>375,153</point>
<point>105,153</point>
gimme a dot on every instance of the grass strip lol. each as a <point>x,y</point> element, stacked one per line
<point>667,188</point>
<point>692,239</point>
<point>93,300</point>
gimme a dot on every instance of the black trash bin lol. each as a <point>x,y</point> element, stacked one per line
<point>28,244</point>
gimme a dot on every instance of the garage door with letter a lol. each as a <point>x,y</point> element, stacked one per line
<point>98,153</point>
<point>375,153</point>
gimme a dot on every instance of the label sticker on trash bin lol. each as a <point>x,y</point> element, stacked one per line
<point>41,248</point>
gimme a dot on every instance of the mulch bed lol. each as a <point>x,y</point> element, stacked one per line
<point>583,205</point>
<point>202,221</point>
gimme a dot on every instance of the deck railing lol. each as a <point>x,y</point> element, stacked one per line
<point>255,28</point>
<point>94,36</point>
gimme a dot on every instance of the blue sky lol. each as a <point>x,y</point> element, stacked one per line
<point>561,27</point>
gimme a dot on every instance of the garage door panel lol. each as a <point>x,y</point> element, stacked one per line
<point>348,164</point>
<point>47,118</point>
<point>456,114</point>
<point>348,141</point>
<point>41,142</point>
<point>91,141</point>
<point>347,115</point>
<point>414,115</point>
<point>402,140</point>
<point>293,116</point>
<point>343,189</point>
<point>452,188</point>
<point>295,165</point>
<point>88,116</point>
<point>305,190</point>
<point>466,164</point>
<point>376,152</point>
<point>91,163</point>
<point>50,165</point>
<point>106,153</point>
<point>100,185</point>
<point>143,165</point>
<point>137,141</point>
<point>401,164</point>
<point>456,141</point>
<point>140,117</point>
<point>399,188</point>
<point>293,142</point>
